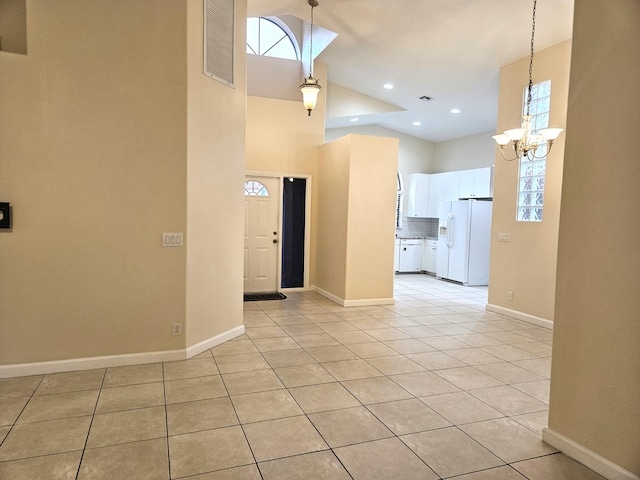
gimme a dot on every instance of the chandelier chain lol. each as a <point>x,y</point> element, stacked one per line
<point>533,32</point>
<point>311,46</point>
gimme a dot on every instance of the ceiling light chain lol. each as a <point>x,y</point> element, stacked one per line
<point>525,142</point>
<point>310,86</point>
<point>533,33</point>
<point>311,39</point>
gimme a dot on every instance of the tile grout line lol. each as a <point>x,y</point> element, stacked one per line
<point>93,415</point>
<point>15,422</point>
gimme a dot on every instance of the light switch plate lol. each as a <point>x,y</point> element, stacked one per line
<point>504,237</point>
<point>172,240</point>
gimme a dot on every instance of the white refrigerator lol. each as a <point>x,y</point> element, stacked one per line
<point>464,236</point>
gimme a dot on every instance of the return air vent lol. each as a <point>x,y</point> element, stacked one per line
<point>425,98</point>
<point>219,34</point>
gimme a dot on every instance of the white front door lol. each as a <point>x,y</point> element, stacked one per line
<point>261,234</point>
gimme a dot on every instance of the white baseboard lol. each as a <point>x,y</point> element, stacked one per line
<point>352,303</point>
<point>88,363</point>
<point>368,301</point>
<point>198,348</point>
<point>330,296</point>
<point>595,462</point>
<point>525,317</point>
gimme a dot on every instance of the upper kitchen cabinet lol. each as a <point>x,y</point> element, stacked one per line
<point>476,183</point>
<point>442,186</point>
<point>426,191</point>
<point>451,188</point>
<point>418,197</point>
<point>436,192</point>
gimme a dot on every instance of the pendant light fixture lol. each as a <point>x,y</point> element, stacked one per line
<point>524,141</point>
<point>310,86</point>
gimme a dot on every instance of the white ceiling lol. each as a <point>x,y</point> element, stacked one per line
<point>450,50</point>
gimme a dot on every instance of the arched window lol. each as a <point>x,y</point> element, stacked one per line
<point>253,188</point>
<point>266,37</point>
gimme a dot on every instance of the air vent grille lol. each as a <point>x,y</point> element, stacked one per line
<point>219,34</point>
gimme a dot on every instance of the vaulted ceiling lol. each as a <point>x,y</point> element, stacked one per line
<point>449,50</point>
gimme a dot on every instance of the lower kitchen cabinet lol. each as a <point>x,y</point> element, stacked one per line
<point>429,255</point>
<point>410,255</point>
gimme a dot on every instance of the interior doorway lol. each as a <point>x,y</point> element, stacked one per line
<point>294,192</point>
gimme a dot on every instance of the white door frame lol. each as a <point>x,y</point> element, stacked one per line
<point>307,223</point>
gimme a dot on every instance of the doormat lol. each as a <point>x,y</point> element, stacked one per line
<point>255,297</point>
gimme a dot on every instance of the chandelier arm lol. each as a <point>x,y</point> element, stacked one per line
<point>549,144</point>
<point>505,158</point>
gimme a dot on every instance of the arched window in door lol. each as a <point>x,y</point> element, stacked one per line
<point>253,188</point>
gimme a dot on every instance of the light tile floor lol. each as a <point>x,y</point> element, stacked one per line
<point>431,387</point>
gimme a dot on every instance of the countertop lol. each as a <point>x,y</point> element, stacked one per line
<point>409,237</point>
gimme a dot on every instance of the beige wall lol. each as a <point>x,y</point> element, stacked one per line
<point>595,378</point>
<point>330,222</point>
<point>354,229</point>
<point>215,175</point>
<point>93,133</point>
<point>474,151</point>
<point>101,136</point>
<point>281,137</point>
<point>527,265</point>
<point>371,222</point>
<point>13,26</point>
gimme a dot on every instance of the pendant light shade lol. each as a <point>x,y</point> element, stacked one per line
<point>310,90</point>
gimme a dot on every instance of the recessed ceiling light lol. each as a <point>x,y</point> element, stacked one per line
<point>416,124</point>
<point>455,110</point>
<point>388,86</point>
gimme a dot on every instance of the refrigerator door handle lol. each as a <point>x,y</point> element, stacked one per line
<point>449,228</point>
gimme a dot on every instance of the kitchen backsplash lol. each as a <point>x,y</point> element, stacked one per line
<point>418,227</point>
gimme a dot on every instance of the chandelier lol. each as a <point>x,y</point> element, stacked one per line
<point>310,86</point>
<point>524,141</point>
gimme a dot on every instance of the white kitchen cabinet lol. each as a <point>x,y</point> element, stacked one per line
<point>476,183</point>
<point>396,254</point>
<point>410,258</point>
<point>442,186</point>
<point>450,182</point>
<point>429,255</point>
<point>447,186</point>
<point>418,197</point>
<point>436,192</point>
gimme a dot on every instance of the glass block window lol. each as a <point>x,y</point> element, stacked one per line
<point>253,188</point>
<point>532,172</point>
<point>265,37</point>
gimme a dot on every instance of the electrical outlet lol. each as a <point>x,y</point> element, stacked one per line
<point>509,295</point>
<point>177,329</point>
